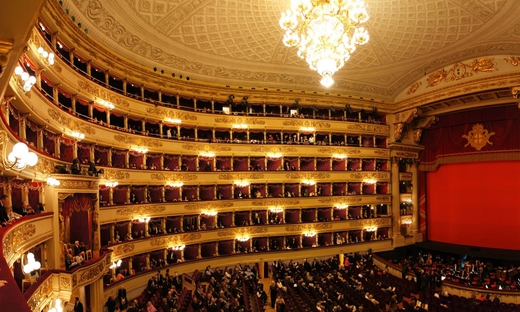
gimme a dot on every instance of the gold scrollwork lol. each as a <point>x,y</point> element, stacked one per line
<point>240,176</point>
<point>306,123</point>
<point>141,210</point>
<point>201,206</point>
<point>103,94</point>
<point>514,60</point>
<point>242,231</point>
<point>370,175</point>
<point>123,249</point>
<point>274,149</point>
<point>478,137</point>
<point>14,239</point>
<point>370,223</point>
<point>164,112</point>
<point>239,120</point>
<point>64,282</point>
<point>179,238</point>
<point>460,71</point>
<point>381,152</point>
<point>205,147</point>
<point>341,200</point>
<point>414,87</point>
<point>70,123</point>
<point>367,128</point>
<point>92,273</point>
<point>338,150</point>
<point>65,184</point>
<point>116,174</point>
<point>174,176</point>
<point>275,202</point>
<point>39,296</point>
<point>383,198</point>
<point>308,176</point>
<point>128,139</point>
<point>308,227</point>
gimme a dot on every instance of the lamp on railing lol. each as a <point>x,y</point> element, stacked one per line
<point>406,221</point>
<point>24,80</point>
<point>106,104</point>
<point>173,121</point>
<point>341,206</point>
<point>371,229</point>
<point>78,136</point>
<point>110,184</point>
<point>308,182</point>
<point>57,306</point>
<point>209,213</point>
<point>175,184</point>
<point>274,156</point>
<point>20,158</point>
<point>241,183</point>
<point>309,233</point>
<point>32,265</point>
<point>116,264</point>
<point>178,247</point>
<point>140,149</point>
<point>307,129</point>
<point>370,181</point>
<point>46,56</point>
<point>53,182</point>
<point>243,238</point>
<point>207,154</point>
<point>339,156</point>
<point>276,209</point>
<point>143,219</point>
<point>240,126</point>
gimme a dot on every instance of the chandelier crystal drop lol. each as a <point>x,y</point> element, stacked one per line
<point>326,32</point>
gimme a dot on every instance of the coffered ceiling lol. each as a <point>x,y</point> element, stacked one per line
<point>239,42</point>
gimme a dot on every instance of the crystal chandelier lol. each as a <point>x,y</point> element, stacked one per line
<point>326,32</point>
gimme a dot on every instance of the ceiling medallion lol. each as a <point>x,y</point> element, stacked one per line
<point>326,32</point>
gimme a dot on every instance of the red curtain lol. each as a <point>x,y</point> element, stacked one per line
<point>338,189</point>
<point>323,189</point>
<point>257,190</point>
<point>368,165</point>
<point>171,194</point>
<point>223,163</point>
<point>225,247</point>
<point>338,164</point>
<point>368,188</point>
<point>274,164</point>
<point>224,191</point>
<point>118,158</point>
<point>353,164</point>
<point>307,164</point>
<point>101,156</point>
<point>207,192</point>
<point>119,196</point>
<point>292,216</point>
<point>324,214</point>
<point>240,164</point>
<point>323,164</point>
<point>308,215</point>
<point>171,162</point>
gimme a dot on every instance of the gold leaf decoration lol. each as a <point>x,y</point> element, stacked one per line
<point>206,147</point>
<point>170,113</point>
<point>513,60</point>
<point>239,120</point>
<point>370,175</point>
<point>414,87</point>
<point>210,205</point>
<point>478,137</point>
<point>243,231</point>
<point>460,71</point>
<point>128,139</point>
<point>103,94</point>
<point>308,227</point>
<point>306,123</point>
<point>383,198</point>
<point>65,283</point>
<point>174,176</point>
<point>371,222</point>
<point>177,238</point>
<point>115,174</point>
<point>382,152</point>
<point>275,202</point>
<point>274,149</point>
<point>308,176</point>
<point>338,150</point>
<point>67,184</point>
<point>341,200</point>
<point>240,176</point>
<point>367,128</point>
<point>14,239</point>
<point>141,210</point>
<point>123,249</point>
<point>69,122</point>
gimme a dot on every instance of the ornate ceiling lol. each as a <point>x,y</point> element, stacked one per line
<point>239,42</point>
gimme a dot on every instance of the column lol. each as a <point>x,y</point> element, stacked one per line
<point>163,225</point>
<point>146,234</point>
<point>199,256</point>
<point>128,192</point>
<point>216,248</point>
<point>112,232</point>
<point>109,157</point>
<point>148,261</point>
<point>75,150</point>
<point>395,206</point>
<point>415,197</point>
<point>23,129</point>
<point>341,260</point>
<point>127,160</point>
<point>131,264</point>
<point>111,196</point>
<point>39,142</point>
<point>129,229</point>
<point>163,194</point>
<point>181,223</point>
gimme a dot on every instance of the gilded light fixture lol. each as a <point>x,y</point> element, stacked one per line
<point>178,247</point>
<point>308,182</point>
<point>241,183</point>
<point>209,213</point>
<point>140,149</point>
<point>243,238</point>
<point>32,264</point>
<point>106,104</point>
<point>19,159</point>
<point>110,183</point>
<point>23,79</point>
<point>116,264</point>
<point>276,209</point>
<point>340,206</point>
<point>78,136</point>
<point>326,32</point>
<point>53,182</point>
<point>175,184</point>
<point>47,57</point>
<point>309,233</point>
<point>143,219</point>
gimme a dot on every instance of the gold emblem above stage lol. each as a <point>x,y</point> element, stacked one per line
<point>478,137</point>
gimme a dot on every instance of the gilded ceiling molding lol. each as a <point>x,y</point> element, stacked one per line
<point>133,140</point>
<point>85,185</point>
<point>382,152</point>
<point>239,120</point>
<point>513,60</point>
<point>420,125</point>
<point>211,205</point>
<point>339,150</point>
<point>242,231</point>
<point>70,122</point>
<point>103,94</point>
<point>341,200</point>
<point>478,137</point>
<point>175,239</point>
<point>141,210</point>
<point>240,176</point>
<point>170,113</point>
<point>206,147</point>
<point>173,176</point>
<point>6,46</point>
<point>414,88</point>
<point>306,123</point>
<point>367,128</point>
<point>275,202</point>
<point>274,149</point>
<point>403,118</point>
<point>383,198</point>
<point>41,296</point>
<point>308,176</point>
<point>460,71</point>
<point>14,239</point>
<point>370,175</point>
<point>115,174</point>
<point>308,227</point>
<point>515,91</point>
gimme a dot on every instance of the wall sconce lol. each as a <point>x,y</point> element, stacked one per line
<point>32,265</point>
<point>116,264</point>
<point>370,181</point>
<point>371,229</point>
<point>24,80</point>
<point>274,156</point>
<point>209,213</point>
<point>241,183</point>
<point>178,247</point>
<point>339,156</point>
<point>240,126</point>
<point>309,234</point>
<point>308,182</point>
<point>19,158</point>
<point>46,56</point>
<point>53,182</point>
<point>207,154</point>
<point>341,206</point>
<point>406,221</point>
<point>111,184</point>
<point>140,149</point>
<point>276,209</point>
<point>57,306</point>
<point>106,104</point>
<point>173,121</point>
<point>243,238</point>
<point>307,129</point>
<point>175,184</point>
<point>143,219</point>
<point>78,136</point>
